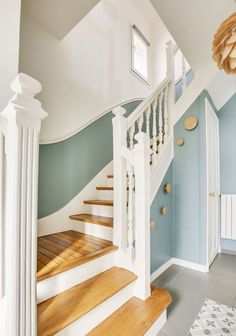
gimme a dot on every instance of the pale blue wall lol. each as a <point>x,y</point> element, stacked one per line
<point>189,176</point>
<point>227,122</point>
<point>161,234</point>
<point>66,167</point>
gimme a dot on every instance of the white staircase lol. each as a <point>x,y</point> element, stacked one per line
<point>101,268</point>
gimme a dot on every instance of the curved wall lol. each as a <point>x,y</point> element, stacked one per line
<point>88,71</point>
<point>66,167</point>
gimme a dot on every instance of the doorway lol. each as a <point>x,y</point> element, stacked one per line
<point>213,185</point>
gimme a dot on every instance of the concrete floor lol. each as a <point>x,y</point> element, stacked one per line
<point>189,289</point>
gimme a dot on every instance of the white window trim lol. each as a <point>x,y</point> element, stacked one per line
<point>137,74</point>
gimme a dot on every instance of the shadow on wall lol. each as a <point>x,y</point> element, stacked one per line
<point>66,167</point>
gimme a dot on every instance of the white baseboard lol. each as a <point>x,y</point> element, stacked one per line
<point>59,283</point>
<point>190,265</point>
<point>179,262</point>
<point>161,269</point>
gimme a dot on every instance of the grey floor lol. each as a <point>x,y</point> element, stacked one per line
<point>189,289</point>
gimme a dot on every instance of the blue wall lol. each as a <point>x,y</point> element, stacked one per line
<point>161,234</point>
<point>227,123</point>
<point>66,167</point>
<point>189,176</point>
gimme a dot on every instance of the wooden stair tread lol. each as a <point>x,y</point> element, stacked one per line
<point>99,202</point>
<point>60,311</point>
<point>104,188</point>
<point>135,317</point>
<point>64,250</point>
<point>105,221</point>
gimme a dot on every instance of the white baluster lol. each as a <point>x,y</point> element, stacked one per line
<point>120,182</point>
<point>170,56</point>
<point>23,117</point>
<point>154,131</point>
<point>166,116</point>
<point>141,157</point>
<point>140,123</point>
<point>130,210</point>
<point>131,132</point>
<point>2,202</point>
<point>148,114</point>
<point>160,125</point>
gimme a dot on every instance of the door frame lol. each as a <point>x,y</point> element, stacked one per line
<point>210,109</point>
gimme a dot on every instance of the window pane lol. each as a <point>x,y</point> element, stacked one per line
<point>140,55</point>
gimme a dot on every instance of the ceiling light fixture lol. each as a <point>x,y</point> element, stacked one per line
<point>224,45</point>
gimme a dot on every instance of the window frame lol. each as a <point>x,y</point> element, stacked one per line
<point>136,30</point>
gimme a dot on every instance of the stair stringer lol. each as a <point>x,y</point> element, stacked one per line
<point>159,170</point>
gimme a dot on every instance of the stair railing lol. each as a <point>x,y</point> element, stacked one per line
<point>21,120</point>
<point>138,143</point>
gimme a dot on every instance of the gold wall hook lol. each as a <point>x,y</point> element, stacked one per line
<point>167,188</point>
<point>163,210</point>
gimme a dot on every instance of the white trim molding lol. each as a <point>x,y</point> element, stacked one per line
<point>179,262</point>
<point>100,115</point>
<point>23,116</point>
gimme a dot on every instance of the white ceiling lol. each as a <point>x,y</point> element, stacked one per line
<point>193,24</point>
<point>58,16</point>
<point>222,88</point>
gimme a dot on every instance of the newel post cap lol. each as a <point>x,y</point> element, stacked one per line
<point>118,111</point>
<point>26,84</point>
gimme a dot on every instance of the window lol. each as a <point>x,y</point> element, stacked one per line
<point>140,54</point>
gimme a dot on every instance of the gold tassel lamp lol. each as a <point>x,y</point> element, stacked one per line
<point>224,45</point>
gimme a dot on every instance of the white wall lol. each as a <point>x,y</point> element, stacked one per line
<point>88,72</point>
<point>9,39</point>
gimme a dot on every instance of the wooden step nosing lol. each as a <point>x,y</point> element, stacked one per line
<point>77,262</point>
<point>99,220</point>
<point>99,202</point>
<point>123,278</point>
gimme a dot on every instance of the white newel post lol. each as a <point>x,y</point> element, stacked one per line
<point>120,180</point>
<point>23,117</point>
<point>141,157</point>
<point>170,70</point>
<point>170,54</point>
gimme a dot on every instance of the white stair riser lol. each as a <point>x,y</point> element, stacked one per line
<point>101,210</point>
<point>105,194</point>
<point>90,320</point>
<point>96,230</point>
<point>157,325</point>
<point>59,283</point>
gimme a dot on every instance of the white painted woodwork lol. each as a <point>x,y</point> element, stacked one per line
<point>95,316</point>
<point>213,189</point>
<point>228,216</point>
<point>60,282</point>
<point>142,215</point>
<point>157,325</point>
<point>23,116</point>
<point>120,180</point>
<point>2,208</point>
<point>95,230</point>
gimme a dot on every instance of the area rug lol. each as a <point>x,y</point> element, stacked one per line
<point>214,319</point>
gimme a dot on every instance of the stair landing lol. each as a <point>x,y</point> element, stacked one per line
<point>61,251</point>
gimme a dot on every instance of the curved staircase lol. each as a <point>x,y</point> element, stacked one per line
<point>100,300</point>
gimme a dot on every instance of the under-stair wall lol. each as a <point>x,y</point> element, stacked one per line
<point>189,179</point>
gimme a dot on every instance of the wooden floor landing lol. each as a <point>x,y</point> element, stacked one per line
<point>61,251</point>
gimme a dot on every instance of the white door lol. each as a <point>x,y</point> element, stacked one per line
<point>213,190</point>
